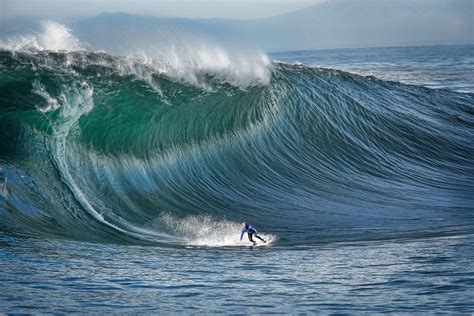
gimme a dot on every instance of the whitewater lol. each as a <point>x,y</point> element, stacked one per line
<point>125,177</point>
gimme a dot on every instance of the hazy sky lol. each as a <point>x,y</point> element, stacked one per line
<point>338,23</point>
<point>238,9</point>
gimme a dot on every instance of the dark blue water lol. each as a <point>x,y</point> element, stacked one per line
<point>407,276</point>
<point>122,187</point>
<point>449,67</point>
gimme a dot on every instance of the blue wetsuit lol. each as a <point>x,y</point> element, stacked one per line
<point>251,231</point>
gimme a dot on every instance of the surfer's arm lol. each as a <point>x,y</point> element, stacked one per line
<point>242,234</point>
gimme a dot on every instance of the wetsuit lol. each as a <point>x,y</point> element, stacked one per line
<point>251,231</point>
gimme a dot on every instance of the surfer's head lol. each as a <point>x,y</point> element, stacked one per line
<point>244,224</point>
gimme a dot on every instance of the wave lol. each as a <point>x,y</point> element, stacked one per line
<point>106,148</point>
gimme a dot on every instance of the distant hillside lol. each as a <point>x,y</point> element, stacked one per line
<point>365,23</point>
<point>334,24</point>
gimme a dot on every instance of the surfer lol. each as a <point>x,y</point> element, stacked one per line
<point>251,231</point>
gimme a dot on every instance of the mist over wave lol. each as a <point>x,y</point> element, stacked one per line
<point>181,55</point>
<point>176,143</point>
<point>53,37</point>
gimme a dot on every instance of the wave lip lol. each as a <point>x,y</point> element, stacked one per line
<point>183,59</point>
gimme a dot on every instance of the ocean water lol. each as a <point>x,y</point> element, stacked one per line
<point>124,180</point>
<point>437,67</point>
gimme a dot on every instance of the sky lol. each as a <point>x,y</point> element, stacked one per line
<point>234,9</point>
<point>333,24</point>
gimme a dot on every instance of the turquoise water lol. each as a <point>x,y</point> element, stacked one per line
<point>123,186</point>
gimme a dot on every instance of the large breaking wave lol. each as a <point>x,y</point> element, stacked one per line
<point>179,151</point>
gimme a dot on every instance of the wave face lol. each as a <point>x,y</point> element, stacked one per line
<point>109,149</point>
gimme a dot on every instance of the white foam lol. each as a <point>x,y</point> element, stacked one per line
<point>20,43</point>
<point>58,37</point>
<point>204,230</point>
<point>53,37</point>
<point>191,61</point>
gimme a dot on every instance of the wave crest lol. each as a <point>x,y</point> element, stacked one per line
<point>53,37</point>
<point>181,58</point>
